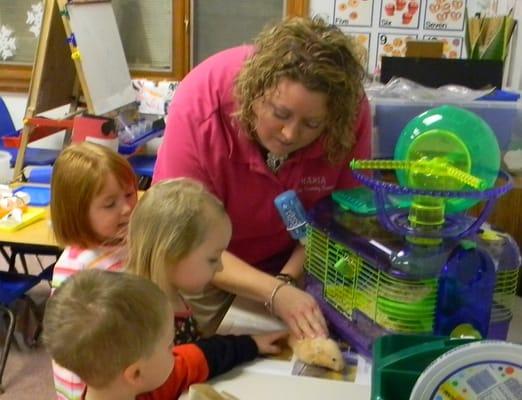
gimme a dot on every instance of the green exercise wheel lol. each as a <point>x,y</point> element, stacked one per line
<point>449,148</point>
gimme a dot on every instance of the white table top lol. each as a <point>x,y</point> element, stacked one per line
<point>268,378</point>
<point>272,379</point>
<point>247,385</point>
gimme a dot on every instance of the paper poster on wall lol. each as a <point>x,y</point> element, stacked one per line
<point>400,14</point>
<point>362,39</point>
<point>323,9</point>
<point>382,21</point>
<point>353,12</point>
<point>452,47</point>
<point>391,45</point>
<point>445,15</point>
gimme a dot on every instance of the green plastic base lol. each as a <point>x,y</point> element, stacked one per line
<point>398,361</point>
<point>361,201</point>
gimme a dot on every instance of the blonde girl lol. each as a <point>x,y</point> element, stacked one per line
<point>93,191</point>
<point>177,234</point>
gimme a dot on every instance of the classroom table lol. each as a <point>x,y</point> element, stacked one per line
<point>38,233</point>
<point>266,378</point>
<point>243,384</point>
<point>271,378</point>
<point>37,239</point>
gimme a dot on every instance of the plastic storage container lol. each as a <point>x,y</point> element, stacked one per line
<point>5,167</point>
<point>392,115</point>
<point>398,361</point>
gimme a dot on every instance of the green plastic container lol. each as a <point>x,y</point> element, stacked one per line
<point>398,361</point>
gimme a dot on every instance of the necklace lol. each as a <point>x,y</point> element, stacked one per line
<point>274,162</point>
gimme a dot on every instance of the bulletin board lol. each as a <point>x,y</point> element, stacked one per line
<point>382,27</point>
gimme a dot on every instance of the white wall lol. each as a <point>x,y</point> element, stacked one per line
<point>515,66</point>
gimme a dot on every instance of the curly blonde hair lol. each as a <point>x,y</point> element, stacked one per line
<point>321,58</point>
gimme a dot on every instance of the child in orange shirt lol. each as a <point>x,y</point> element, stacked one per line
<point>114,330</point>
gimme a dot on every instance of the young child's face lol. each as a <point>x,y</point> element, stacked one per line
<point>195,271</point>
<point>110,209</point>
<point>157,367</point>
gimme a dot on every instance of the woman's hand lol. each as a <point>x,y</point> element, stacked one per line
<point>267,342</point>
<point>300,312</point>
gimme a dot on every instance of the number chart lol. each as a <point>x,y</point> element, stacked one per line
<point>382,27</point>
<point>400,14</point>
<point>445,15</point>
<point>353,12</point>
<point>392,45</point>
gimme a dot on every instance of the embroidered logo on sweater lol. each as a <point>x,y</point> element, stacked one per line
<point>315,184</point>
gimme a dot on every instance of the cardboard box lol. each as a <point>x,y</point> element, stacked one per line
<point>424,48</point>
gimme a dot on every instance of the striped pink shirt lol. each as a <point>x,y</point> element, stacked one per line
<point>69,386</point>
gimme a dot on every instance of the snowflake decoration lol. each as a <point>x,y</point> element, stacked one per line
<point>7,43</point>
<point>34,18</point>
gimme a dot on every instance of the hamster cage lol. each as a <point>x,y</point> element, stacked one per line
<point>402,254</point>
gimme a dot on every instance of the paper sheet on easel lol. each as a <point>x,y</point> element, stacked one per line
<point>101,55</point>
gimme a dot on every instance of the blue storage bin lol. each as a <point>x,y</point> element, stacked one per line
<point>40,195</point>
<point>501,95</point>
<point>40,175</point>
<point>392,115</point>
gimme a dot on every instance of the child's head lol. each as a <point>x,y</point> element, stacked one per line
<point>93,193</point>
<point>109,327</point>
<point>177,234</point>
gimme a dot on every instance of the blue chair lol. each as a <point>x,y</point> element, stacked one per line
<point>6,123</point>
<point>40,175</point>
<point>33,156</point>
<point>143,166</point>
<point>14,286</point>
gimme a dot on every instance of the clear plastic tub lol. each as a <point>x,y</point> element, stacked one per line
<point>392,115</point>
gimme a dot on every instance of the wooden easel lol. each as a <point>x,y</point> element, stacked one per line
<point>58,77</point>
<point>53,81</point>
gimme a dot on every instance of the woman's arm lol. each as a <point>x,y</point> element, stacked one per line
<point>294,265</point>
<point>294,306</point>
<point>242,279</point>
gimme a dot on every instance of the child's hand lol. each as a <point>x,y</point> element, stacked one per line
<point>267,342</point>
